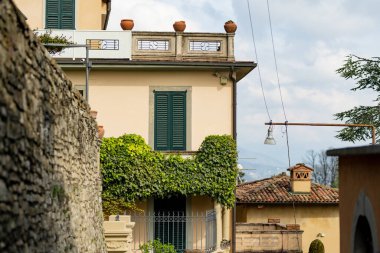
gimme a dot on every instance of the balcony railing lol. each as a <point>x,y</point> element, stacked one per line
<point>148,46</point>
<point>195,232</point>
<point>182,46</point>
<point>102,44</point>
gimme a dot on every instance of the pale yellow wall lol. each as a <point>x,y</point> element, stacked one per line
<point>34,11</point>
<point>301,185</point>
<point>312,219</point>
<point>88,13</point>
<point>122,101</point>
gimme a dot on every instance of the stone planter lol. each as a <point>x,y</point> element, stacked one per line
<point>127,24</point>
<point>230,26</point>
<point>179,26</point>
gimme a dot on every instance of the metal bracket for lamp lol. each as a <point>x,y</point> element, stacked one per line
<point>271,124</point>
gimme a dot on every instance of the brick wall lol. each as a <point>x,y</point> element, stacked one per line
<point>49,168</point>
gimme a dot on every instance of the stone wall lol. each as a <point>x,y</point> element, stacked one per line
<point>50,185</point>
<point>265,237</point>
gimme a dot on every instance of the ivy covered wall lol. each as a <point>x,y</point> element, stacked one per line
<point>133,171</point>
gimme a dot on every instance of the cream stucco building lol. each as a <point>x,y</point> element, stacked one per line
<point>286,201</point>
<point>172,88</point>
<point>66,14</point>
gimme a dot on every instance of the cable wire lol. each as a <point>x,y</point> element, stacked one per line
<point>278,82</point>
<point>275,60</point>
<point>257,61</point>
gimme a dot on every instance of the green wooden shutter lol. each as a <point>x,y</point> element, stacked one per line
<point>170,120</point>
<point>52,14</point>
<point>60,14</point>
<point>178,127</point>
<point>161,121</point>
<point>67,14</point>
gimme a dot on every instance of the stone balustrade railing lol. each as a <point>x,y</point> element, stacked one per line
<point>118,233</point>
<point>182,46</point>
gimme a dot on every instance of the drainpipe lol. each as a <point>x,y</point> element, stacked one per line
<point>107,14</point>
<point>233,77</point>
<point>234,135</point>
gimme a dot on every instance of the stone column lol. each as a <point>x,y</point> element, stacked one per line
<point>118,234</point>
<point>219,228</point>
<point>230,47</point>
<point>178,45</point>
<point>226,223</point>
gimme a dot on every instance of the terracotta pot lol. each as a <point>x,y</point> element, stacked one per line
<point>230,27</point>
<point>127,24</point>
<point>93,114</point>
<point>179,26</point>
<point>100,132</point>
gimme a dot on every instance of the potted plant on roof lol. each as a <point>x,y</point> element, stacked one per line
<point>230,26</point>
<point>47,38</point>
<point>179,26</point>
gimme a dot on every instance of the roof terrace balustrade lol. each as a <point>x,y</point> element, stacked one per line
<point>178,46</point>
<point>148,46</point>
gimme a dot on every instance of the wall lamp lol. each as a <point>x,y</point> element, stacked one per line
<point>270,139</point>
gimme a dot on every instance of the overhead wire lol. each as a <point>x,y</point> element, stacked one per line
<point>275,61</point>
<point>278,83</point>
<point>257,61</point>
<point>283,109</point>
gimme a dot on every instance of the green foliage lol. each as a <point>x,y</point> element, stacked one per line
<point>132,171</point>
<point>157,247</point>
<point>366,73</point>
<point>316,246</point>
<point>47,38</point>
<point>115,206</point>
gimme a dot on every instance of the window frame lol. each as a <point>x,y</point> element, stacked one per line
<point>173,110</point>
<point>151,132</point>
<point>60,16</point>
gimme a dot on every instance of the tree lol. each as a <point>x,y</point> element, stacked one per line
<point>366,73</point>
<point>325,167</point>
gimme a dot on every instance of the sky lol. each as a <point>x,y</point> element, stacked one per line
<point>312,39</point>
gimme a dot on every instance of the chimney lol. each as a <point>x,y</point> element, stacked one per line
<point>300,178</point>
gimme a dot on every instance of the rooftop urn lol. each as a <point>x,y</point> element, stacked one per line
<point>230,26</point>
<point>179,26</point>
<point>127,24</point>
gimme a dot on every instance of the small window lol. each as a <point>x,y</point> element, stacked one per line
<point>170,120</point>
<point>60,14</point>
<point>81,89</point>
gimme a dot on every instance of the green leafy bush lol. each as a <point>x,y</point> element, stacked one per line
<point>131,170</point>
<point>157,247</point>
<point>316,246</point>
<point>48,38</point>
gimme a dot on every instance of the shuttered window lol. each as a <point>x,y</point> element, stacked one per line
<point>60,14</point>
<point>170,120</point>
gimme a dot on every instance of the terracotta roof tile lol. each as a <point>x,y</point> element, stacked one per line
<point>276,190</point>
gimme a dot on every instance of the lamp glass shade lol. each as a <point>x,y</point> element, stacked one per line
<point>270,140</point>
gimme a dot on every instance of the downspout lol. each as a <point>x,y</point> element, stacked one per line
<point>107,14</point>
<point>234,92</point>
<point>234,135</point>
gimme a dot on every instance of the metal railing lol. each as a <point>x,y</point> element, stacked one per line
<point>195,232</point>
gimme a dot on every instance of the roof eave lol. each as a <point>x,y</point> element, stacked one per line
<point>242,68</point>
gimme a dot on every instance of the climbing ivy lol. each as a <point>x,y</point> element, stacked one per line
<point>132,171</point>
